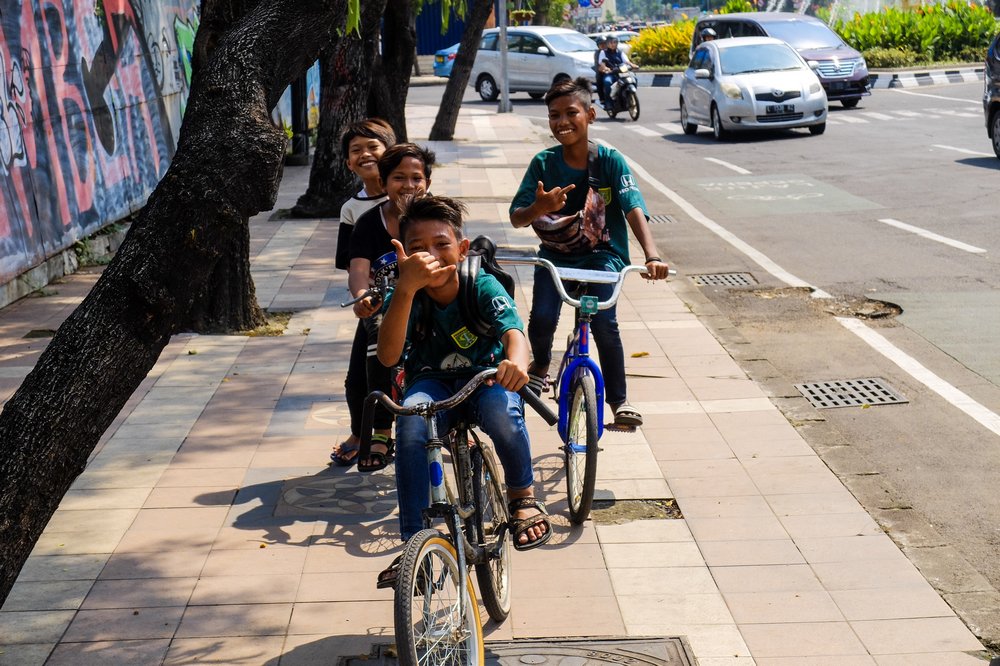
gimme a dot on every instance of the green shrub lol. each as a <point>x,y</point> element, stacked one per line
<point>889,57</point>
<point>737,7</point>
<point>665,45</point>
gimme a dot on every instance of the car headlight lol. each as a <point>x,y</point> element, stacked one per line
<point>862,65</point>
<point>731,90</point>
<point>814,88</point>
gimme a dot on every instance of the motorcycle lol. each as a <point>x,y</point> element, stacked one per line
<point>623,95</point>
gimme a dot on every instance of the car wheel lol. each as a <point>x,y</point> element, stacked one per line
<point>816,130</point>
<point>718,131</point>
<point>995,126</point>
<point>487,88</point>
<point>689,127</point>
<point>850,103</point>
<point>536,95</point>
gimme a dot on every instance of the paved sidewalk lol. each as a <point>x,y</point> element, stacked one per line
<point>208,528</point>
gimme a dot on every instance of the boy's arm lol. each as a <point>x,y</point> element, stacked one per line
<point>656,267</point>
<point>357,283</point>
<point>512,372</point>
<point>545,202</point>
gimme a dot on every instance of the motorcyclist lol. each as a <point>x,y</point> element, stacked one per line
<point>602,41</point>
<point>607,65</point>
<point>708,34</point>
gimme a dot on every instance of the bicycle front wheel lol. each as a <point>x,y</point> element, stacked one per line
<point>581,448</point>
<point>437,623</point>
<point>491,533</point>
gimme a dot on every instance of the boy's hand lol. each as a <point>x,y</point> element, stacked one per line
<point>511,376</point>
<point>366,308</point>
<point>553,200</point>
<point>657,270</point>
<point>418,270</point>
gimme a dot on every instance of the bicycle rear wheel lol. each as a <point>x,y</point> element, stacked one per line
<point>432,627</point>
<point>581,448</point>
<point>490,525</point>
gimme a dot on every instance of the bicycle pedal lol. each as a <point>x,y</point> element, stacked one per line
<point>614,427</point>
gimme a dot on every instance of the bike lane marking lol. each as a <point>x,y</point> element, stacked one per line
<point>961,150</point>
<point>737,169</point>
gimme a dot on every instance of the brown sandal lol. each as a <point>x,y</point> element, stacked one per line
<point>519,526</point>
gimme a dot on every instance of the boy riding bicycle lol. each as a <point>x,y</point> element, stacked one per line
<point>559,181</point>
<point>423,318</point>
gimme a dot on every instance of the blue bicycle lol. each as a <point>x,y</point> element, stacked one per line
<point>579,384</point>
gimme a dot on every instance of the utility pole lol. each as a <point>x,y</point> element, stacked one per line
<point>505,105</point>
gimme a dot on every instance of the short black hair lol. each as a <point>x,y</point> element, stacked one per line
<point>433,208</point>
<point>394,156</point>
<point>371,128</point>
<point>578,87</point>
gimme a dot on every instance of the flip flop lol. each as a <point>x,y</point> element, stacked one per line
<point>345,455</point>
<point>626,415</point>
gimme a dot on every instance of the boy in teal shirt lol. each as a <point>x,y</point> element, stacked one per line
<point>442,354</point>
<point>557,182</point>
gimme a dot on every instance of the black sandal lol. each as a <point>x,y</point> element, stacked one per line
<point>378,459</point>
<point>519,526</point>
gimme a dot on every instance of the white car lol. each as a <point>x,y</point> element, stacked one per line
<point>624,37</point>
<point>750,83</point>
<point>537,56</point>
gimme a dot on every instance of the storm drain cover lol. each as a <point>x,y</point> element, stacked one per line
<point>661,219</point>
<point>724,280</point>
<point>850,393</point>
<point>561,652</point>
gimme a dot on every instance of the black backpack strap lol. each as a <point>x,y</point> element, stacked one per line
<point>593,166</point>
<point>487,251</point>
<point>482,255</point>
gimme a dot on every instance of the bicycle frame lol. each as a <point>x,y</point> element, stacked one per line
<point>577,360</point>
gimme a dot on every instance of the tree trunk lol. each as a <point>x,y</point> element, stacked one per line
<point>451,102</point>
<point>227,168</point>
<point>346,81</point>
<point>542,10</point>
<point>392,71</point>
<point>229,300</point>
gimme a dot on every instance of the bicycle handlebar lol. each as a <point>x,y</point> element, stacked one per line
<point>377,291</point>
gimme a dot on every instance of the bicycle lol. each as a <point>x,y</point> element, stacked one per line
<point>579,384</point>
<point>435,610</point>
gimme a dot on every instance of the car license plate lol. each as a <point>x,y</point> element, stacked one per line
<point>439,59</point>
<point>780,108</point>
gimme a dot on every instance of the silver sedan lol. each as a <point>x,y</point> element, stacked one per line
<point>750,83</point>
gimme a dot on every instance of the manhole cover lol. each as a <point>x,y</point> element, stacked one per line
<point>724,280</point>
<point>850,393</point>
<point>661,219</point>
<point>561,652</point>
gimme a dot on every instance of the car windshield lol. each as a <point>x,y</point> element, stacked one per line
<point>568,42</point>
<point>758,58</point>
<point>804,34</point>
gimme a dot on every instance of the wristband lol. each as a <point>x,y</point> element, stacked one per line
<point>649,259</point>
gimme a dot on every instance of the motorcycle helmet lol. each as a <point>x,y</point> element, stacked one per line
<point>708,34</point>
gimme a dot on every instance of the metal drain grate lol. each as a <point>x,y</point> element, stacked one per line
<point>724,280</point>
<point>850,393</point>
<point>661,219</point>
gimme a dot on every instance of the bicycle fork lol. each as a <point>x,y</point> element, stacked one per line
<point>576,360</point>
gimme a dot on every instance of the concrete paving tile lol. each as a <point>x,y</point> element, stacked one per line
<point>176,477</point>
<point>936,659</point>
<point>868,575</point>
<point>766,578</point>
<point>273,533</point>
<point>151,541</point>
<point>188,497</point>
<point>801,639</point>
<point>535,584</point>
<point>826,660</point>
<point>666,449</point>
<point>63,567</point>
<point>76,543</point>
<point>209,457</point>
<point>33,626</point>
<point>235,620</point>
<point>675,609</point>
<point>340,586</point>
<point>577,616</point>
<point>101,653</point>
<point>174,563</point>
<point>652,555</point>
<point>840,501</point>
<point>723,388</point>
<point>229,650</point>
<point>917,635</point>
<point>863,548</point>
<point>720,486</point>
<point>139,593</point>
<point>702,469</point>
<point>46,595</point>
<point>571,556</point>
<point>626,489</point>
<point>726,661</point>
<point>322,648</point>
<point>776,607</point>
<point>260,561</point>
<point>750,552</point>
<point>662,581</point>
<point>369,618</point>
<point>752,528</point>
<point>95,520</point>
<point>725,507</point>
<point>706,640</point>
<point>123,624</point>
<point>811,482</point>
<point>252,588</point>
<point>774,448</point>
<point>886,604</point>
<point>845,525</point>
<point>25,655</point>
<point>79,499</point>
<point>170,520</point>
<point>644,531</point>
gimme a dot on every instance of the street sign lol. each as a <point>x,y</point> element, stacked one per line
<point>594,12</point>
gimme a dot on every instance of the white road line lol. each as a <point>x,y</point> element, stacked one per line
<point>962,150</point>
<point>916,94</point>
<point>735,168</point>
<point>670,128</point>
<point>930,235</point>
<point>644,131</point>
<point>762,260</point>
<point>599,128</point>
<point>877,116</point>
<point>908,114</point>
<point>851,119</point>
<point>982,415</point>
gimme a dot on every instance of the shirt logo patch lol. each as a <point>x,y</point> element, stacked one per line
<point>628,180</point>
<point>605,193</point>
<point>464,338</point>
<point>500,304</point>
<point>455,361</point>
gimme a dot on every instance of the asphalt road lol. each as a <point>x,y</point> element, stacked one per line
<point>891,203</point>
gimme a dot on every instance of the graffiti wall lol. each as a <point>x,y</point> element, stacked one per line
<point>91,101</point>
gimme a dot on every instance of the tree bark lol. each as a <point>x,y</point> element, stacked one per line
<point>451,101</point>
<point>541,16</point>
<point>346,81</point>
<point>227,168</point>
<point>391,83</point>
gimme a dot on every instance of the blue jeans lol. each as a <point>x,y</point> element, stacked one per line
<point>606,81</point>
<point>544,318</point>
<point>498,413</point>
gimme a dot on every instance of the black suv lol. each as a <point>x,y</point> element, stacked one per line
<point>991,94</point>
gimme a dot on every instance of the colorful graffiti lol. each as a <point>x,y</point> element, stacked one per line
<point>92,93</point>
